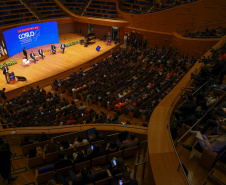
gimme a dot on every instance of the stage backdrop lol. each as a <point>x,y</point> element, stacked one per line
<point>30,36</point>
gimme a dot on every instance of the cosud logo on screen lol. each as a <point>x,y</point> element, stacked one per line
<point>26,36</point>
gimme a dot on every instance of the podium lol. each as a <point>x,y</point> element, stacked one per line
<point>109,41</point>
<point>11,77</point>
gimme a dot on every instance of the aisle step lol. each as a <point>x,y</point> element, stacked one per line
<point>217,176</point>
<point>221,166</point>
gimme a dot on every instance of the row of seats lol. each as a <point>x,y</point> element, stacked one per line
<point>104,9</point>
<point>46,9</point>
<point>44,174</point>
<point>14,12</point>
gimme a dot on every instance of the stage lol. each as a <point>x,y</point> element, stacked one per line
<point>54,66</point>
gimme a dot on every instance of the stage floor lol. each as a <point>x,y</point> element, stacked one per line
<point>53,64</point>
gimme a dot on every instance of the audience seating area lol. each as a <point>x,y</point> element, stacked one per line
<point>134,86</point>
<point>74,6</point>
<point>207,33</point>
<point>104,9</point>
<point>143,6</point>
<point>46,8</point>
<point>200,115</point>
<point>13,12</point>
<point>98,165</point>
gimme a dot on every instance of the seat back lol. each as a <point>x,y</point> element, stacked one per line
<point>130,152</point>
<point>82,147</point>
<point>35,161</point>
<point>43,178</point>
<point>99,161</point>
<point>106,181</point>
<point>100,142</point>
<point>115,154</point>
<point>79,166</point>
<point>52,157</point>
<point>69,151</point>
<point>64,171</point>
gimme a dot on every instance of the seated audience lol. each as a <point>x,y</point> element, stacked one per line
<point>131,141</point>
<point>84,177</point>
<point>80,141</point>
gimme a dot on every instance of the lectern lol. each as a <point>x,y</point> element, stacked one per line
<point>11,77</point>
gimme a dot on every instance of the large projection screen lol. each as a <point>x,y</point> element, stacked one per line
<point>30,36</point>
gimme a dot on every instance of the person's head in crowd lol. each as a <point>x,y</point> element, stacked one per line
<point>3,89</point>
<point>131,136</point>
<point>32,152</point>
<point>84,171</point>
<point>55,94</point>
<point>97,133</point>
<point>65,144</point>
<point>51,182</point>
<point>80,139</point>
<point>72,103</point>
<point>26,139</point>
<point>37,87</point>
<point>44,136</point>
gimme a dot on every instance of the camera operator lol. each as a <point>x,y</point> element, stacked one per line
<point>5,155</point>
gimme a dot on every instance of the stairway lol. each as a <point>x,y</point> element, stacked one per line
<point>217,176</point>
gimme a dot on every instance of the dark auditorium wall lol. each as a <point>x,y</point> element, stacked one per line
<point>198,13</point>
<point>100,30</point>
<point>66,28</point>
<point>81,28</point>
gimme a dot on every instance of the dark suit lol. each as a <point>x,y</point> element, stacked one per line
<point>25,53</point>
<point>32,55</point>
<point>63,46</point>
<point>40,52</point>
<point>5,71</point>
<point>3,95</point>
<point>53,49</point>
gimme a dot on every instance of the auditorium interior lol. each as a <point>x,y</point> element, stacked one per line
<point>137,97</point>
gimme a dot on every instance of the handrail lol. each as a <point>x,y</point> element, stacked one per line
<point>138,164</point>
<point>81,127</point>
<point>168,126</point>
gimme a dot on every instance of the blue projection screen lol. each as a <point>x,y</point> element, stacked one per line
<point>30,36</point>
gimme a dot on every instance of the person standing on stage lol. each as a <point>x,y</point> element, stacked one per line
<point>32,55</point>
<point>108,35</point>
<point>5,72</point>
<point>25,52</point>
<point>63,47</point>
<point>53,49</point>
<point>40,52</point>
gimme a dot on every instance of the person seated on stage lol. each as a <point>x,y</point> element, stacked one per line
<point>53,49</point>
<point>32,55</point>
<point>40,52</point>
<point>63,47</point>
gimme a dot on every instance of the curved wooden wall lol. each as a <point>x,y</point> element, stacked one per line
<point>192,46</point>
<point>198,13</point>
<point>162,156</point>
